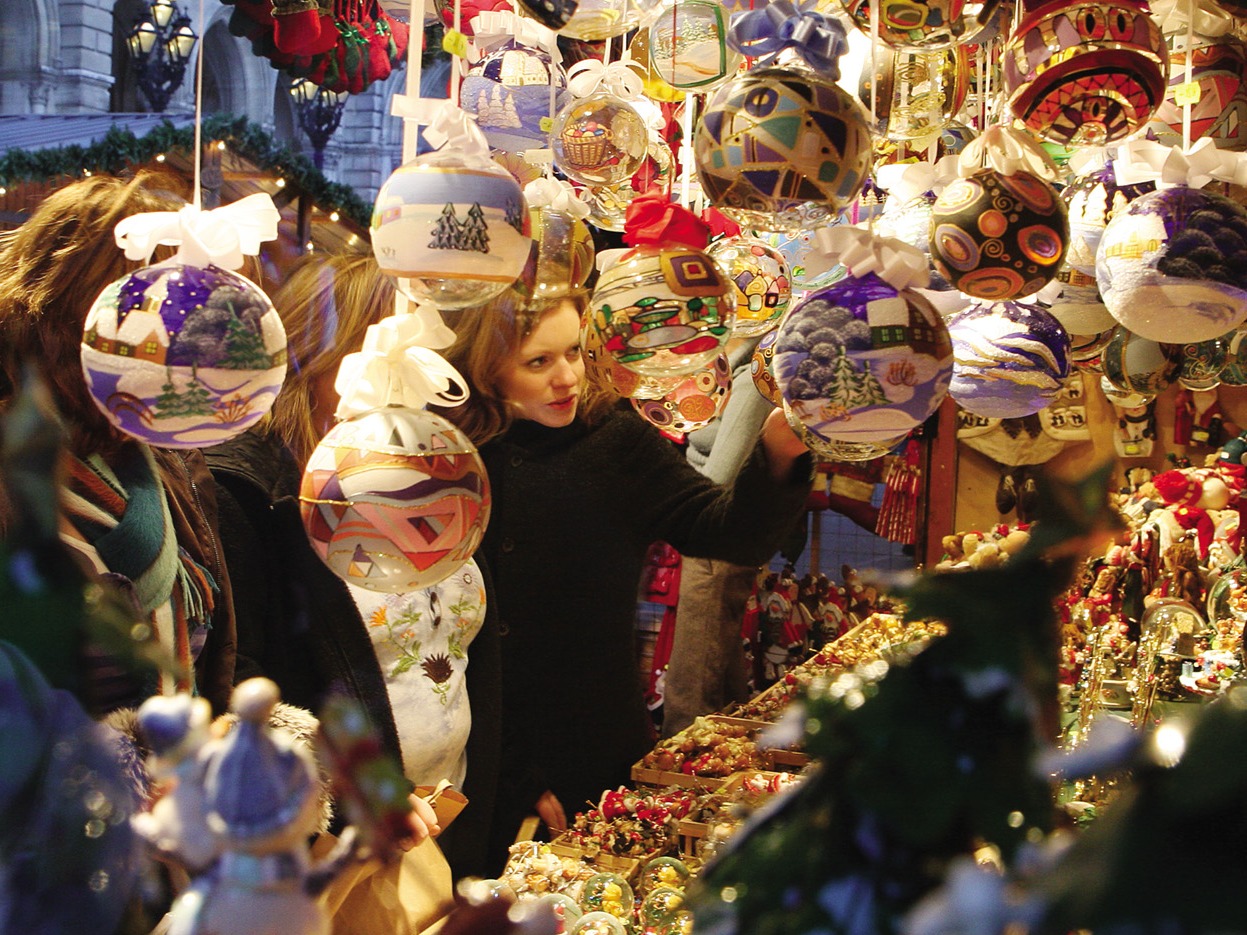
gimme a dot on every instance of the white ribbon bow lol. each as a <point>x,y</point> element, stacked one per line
<point>1208,20</point>
<point>1169,166</point>
<point>1008,151</point>
<point>445,125</point>
<point>557,196</point>
<point>621,78</point>
<point>393,369</point>
<point>608,258</point>
<point>493,27</point>
<point>1087,159</point>
<point>220,237</point>
<point>905,181</point>
<point>860,252</point>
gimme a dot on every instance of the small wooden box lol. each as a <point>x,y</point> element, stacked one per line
<point>565,845</point>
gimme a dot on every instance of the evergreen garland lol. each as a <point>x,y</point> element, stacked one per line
<point>119,149</point>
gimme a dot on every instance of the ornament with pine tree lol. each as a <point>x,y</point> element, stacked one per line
<point>919,760</point>
<point>187,353</point>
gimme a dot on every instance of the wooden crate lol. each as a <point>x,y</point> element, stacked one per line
<point>565,845</point>
<point>691,835</point>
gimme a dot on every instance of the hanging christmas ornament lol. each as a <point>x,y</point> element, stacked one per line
<point>1234,371</point>
<point>760,281</point>
<point>564,243</point>
<point>783,147</point>
<point>1220,111</point>
<point>187,353</point>
<point>1090,74</point>
<point>1091,200</point>
<point>837,449</point>
<point>602,370</point>
<point>1086,350</point>
<point>450,226</point>
<point>1201,362</point>
<point>1010,359</point>
<point>1000,231</point>
<point>915,92</point>
<point>866,359</point>
<point>662,308</point>
<point>694,403</point>
<point>810,269</point>
<point>1173,265</point>
<point>598,137</point>
<point>395,498</point>
<point>760,369</point>
<point>513,89</point>
<point>922,24</point>
<point>1134,364</point>
<point>595,20</point>
<point>688,46</point>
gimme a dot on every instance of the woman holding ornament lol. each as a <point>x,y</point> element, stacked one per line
<point>580,489</point>
<point>312,632</point>
<point>142,518</point>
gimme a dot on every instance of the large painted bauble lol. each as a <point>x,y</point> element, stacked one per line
<point>602,370</point>
<point>1088,73</point>
<point>761,369</point>
<point>451,232</point>
<point>565,252</point>
<point>599,140</point>
<point>915,93</point>
<point>781,148</point>
<point>395,500</point>
<point>663,311</point>
<point>1136,364</point>
<point>1010,359</point>
<point>1217,67</point>
<point>1172,266</point>
<point>837,449</point>
<point>996,236</point>
<point>860,361</point>
<point>694,402</point>
<point>1078,306</point>
<point>1201,362</point>
<point>1234,371</point>
<point>183,356</point>
<point>688,44</point>
<point>509,92</point>
<point>923,24</point>
<point>760,282</point>
<point>1091,201</point>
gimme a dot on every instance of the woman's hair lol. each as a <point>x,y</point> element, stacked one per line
<point>52,268</point>
<point>326,306</point>
<point>487,337</point>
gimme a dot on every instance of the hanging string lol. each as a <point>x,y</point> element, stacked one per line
<point>686,149</point>
<point>415,65</point>
<point>455,77</point>
<point>1189,74</point>
<point>874,64</point>
<point>199,115</point>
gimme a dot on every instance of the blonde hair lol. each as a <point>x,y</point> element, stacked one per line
<point>487,337</point>
<point>326,306</point>
<point>52,269</point>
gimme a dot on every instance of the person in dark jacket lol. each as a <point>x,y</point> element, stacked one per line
<point>142,519</point>
<point>298,622</point>
<point>580,488</point>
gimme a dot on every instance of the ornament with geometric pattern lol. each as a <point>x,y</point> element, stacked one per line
<point>760,281</point>
<point>694,403</point>
<point>1218,67</point>
<point>1085,74</point>
<point>997,236</point>
<point>395,500</point>
<point>923,24</point>
<point>760,371</point>
<point>1172,266</point>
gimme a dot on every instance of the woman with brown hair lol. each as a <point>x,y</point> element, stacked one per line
<point>580,488</point>
<point>143,518</point>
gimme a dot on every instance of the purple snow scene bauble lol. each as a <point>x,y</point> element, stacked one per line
<point>183,356</point>
<point>858,361</point>
<point>1010,359</point>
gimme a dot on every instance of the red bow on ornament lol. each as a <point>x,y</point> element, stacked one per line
<point>654,219</point>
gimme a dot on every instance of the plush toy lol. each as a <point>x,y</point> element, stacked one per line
<point>1181,490</point>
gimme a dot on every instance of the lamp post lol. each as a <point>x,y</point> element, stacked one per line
<point>319,111</point>
<point>160,45</point>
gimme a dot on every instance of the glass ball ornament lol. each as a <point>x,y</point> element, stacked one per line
<point>1234,371</point>
<point>608,892</point>
<point>452,231</point>
<point>997,236</point>
<point>916,92</point>
<point>1227,598</point>
<point>595,20</point>
<point>688,44</point>
<point>1200,362</point>
<point>1135,364</point>
<point>761,369</point>
<point>509,92</point>
<point>1123,399</point>
<point>670,872</point>
<point>655,88</point>
<point>395,500</point>
<point>598,922</point>
<point>837,449</point>
<point>781,148</point>
<point>1091,202</point>
<point>760,282</point>
<point>860,361</point>
<point>1085,75</point>
<point>663,311</point>
<point>809,269</point>
<point>1010,359</point>
<point>565,252</point>
<point>922,24</point>
<point>693,403</point>
<point>1172,266</point>
<point>1218,67</point>
<point>1086,350</point>
<point>602,370</point>
<point>598,140</point>
<point>660,907</point>
<point>183,356</point>
<point>1174,627</point>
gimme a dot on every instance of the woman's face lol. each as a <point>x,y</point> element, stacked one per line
<point>542,379</point>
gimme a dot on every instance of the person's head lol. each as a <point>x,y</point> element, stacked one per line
<point>326,306</point>
<point>522,361</point>
<point>52,268</point>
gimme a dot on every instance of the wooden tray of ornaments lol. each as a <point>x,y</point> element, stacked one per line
<point>627,867</point>
<point>763,761</point>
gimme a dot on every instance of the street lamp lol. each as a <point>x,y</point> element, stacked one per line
<point>160,45</point>
<point>319,111</point>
